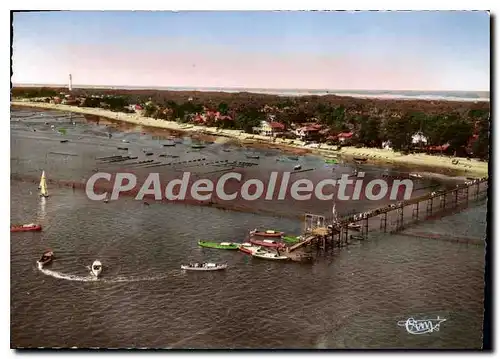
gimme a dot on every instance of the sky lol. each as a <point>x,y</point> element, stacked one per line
<point>426,51</point>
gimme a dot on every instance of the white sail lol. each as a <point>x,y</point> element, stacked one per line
<point>43,186</point>
<point>334,213</point>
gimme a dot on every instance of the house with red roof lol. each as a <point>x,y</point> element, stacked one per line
<point>344,137</point>
<point>270,128</point>
<point>308,132</point>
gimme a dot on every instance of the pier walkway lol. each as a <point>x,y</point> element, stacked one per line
<point>393,218</point>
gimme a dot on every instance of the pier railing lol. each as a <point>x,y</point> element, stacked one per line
<point>393,218</point>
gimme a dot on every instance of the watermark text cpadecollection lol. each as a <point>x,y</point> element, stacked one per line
<point>252,189</point>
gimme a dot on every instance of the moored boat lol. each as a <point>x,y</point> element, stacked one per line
<point>204,266</point>
<point>416,175</point>
<point>267,243</point>
<point>292,239</point>
<point>25,227</point>
<point>269,255</point>
<point>254,157</point>
<point>268,233</point>
<point>47,257</point>
<point>297,167</point>
<point>198,145</point>
<point>354,226</point>
<point>96,268</point>
<point>249,248</point>
<point>331,161</point>
<point>222,245</point>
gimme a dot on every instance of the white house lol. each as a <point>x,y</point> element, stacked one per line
<point>418,138</point>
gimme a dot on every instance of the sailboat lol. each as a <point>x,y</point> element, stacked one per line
<point>335,219</point>
<point>43,186</point>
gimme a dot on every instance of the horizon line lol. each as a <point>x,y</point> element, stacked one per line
<point>151,87</point>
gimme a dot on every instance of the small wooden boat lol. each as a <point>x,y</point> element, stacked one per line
<point>358,238</point>
<point>360,159</point>
<point>122,148</point>
<point>215,245</point>
<point>197,146</point>
<point>148,153</point>
<point>292,239</point>
<point>25,227</point>
<point>63,141</point>
<point>269,255</point>
<point>169,144</point>
<point>255,157</point>
<point>354,226</point>
<point>249,248</point>
<point>268,233</point>
<point>267,243</point>
<point>96,268</point>
<point>204,266</point>
<point>47,257</point>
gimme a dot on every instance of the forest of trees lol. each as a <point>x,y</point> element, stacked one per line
<point>371,120</point>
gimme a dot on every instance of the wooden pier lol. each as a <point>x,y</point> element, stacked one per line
<point>325,234</point>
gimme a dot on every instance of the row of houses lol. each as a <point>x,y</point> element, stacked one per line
<point>306,132</point>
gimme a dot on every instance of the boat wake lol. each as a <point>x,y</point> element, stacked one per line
<point>91,278</point>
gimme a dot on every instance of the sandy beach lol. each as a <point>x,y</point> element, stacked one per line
<point>470,168</point>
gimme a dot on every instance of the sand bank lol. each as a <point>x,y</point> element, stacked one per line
<point>472,168</point>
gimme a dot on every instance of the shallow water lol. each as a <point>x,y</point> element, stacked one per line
<point>350,298</point>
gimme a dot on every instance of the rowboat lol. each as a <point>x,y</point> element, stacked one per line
<point>222,245</point>
<point>204,266</point>
<point>96,268</point>
<point>268,233</point>
<point>47,257</point>
<point>26,227</point>
<point>267,243</point>
<point>292,239</point>
<point>249,248</point>
<point>269,255</point>
<point>197,146</point>
<point>331,161</point>
<point>354,226</point>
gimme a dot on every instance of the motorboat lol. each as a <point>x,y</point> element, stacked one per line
<point>47,257</point>
<point>416,175</point>
<point>96,268</point>
<point>267,243</point>
<point>249,248</point>
<point>204,266</point>
<point>267,233</point>
<point>297,167</point>
<point>269,255</point>
<point>354,226</point>
<point>25,227</point>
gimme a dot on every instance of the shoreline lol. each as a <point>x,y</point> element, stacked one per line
<point>432,164</point>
